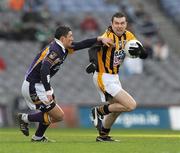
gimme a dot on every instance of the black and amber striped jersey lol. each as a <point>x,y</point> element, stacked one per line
<point>110,58</point>
<point>48,61</point>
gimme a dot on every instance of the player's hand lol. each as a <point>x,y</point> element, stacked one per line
<point>49,97</point>
<point>137,51</point>
<point>143,53</point>
<point>134,51</point>
<point>106,41</point>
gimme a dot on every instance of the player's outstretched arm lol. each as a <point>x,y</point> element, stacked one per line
<point>106,41</point>
<point>89,42</point>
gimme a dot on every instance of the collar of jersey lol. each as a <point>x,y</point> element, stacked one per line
<point>60,44</point>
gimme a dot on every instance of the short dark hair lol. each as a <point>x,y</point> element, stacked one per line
<point>62,31</point>
<point>118,15</point>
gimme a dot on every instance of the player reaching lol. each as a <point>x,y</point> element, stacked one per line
<point>36,88</point>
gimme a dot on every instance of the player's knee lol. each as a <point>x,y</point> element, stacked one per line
<point>59,117</point>
<point>131,107</point>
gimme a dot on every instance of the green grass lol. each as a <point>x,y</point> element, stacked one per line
<point>83,141</point>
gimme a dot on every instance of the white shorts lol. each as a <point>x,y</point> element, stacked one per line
<point>40,90</point>
<point>107,83</point>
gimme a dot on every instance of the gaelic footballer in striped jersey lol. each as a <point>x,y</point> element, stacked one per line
<point>105,62</point>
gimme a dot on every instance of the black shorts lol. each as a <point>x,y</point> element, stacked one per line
<point>45,108</point>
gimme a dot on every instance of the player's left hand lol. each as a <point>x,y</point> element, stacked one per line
<point>143,53</point>
<point>135,51</point>
<point>138,51</point>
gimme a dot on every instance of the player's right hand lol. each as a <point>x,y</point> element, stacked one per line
<point>106,41</point>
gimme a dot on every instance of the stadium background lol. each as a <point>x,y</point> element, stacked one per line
<point>26,27</point>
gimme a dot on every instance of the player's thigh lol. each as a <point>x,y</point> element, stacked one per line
<point>53,110</point>
<point>56,113</point>
<point>125,99</point>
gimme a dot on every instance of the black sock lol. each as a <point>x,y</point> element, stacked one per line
<point>39,117</point>
<point>104,131</point>
<point>36,117</point>
<point>103,110</point>
<point>41,130</point>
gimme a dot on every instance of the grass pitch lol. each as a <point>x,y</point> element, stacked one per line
<point>83,141</point>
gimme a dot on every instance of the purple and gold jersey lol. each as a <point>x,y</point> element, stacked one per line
<point>49,60</point>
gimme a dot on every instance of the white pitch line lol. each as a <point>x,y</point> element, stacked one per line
<point>150,135</point>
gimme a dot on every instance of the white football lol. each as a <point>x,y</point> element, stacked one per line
<point>131,43</point>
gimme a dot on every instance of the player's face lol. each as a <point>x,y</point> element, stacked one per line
<point>119,25</point>
<point>67,41</point>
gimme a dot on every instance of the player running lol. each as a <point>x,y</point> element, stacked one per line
<point>105,63</point>
<point>36,88</point>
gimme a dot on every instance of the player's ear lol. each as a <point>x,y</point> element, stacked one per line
<point>62,39</point>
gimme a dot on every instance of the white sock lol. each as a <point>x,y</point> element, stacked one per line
<point>25,117</point>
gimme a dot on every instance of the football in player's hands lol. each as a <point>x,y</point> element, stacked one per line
<point>133,48</point>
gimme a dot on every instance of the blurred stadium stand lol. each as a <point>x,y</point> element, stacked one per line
<point>159,84</point>
<point>171,8</point>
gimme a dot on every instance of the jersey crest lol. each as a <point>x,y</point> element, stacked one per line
<point>119,56</point>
